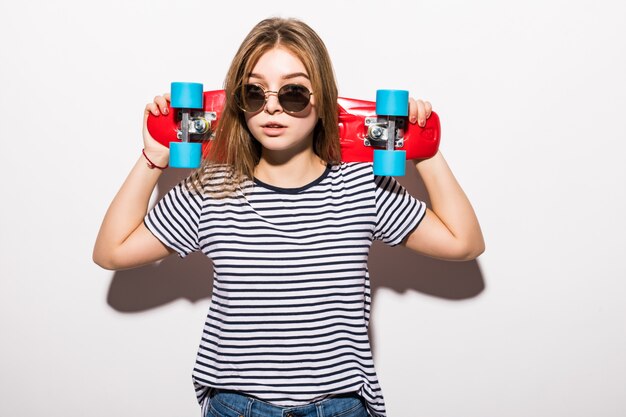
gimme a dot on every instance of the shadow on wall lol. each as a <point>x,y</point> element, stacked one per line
<point>401,269</point>
<point>151,286</point>
<point>396,268</point>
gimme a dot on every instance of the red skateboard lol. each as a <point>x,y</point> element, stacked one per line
<point>361,130</point>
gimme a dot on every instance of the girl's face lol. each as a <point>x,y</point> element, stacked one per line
<point>274,128</point>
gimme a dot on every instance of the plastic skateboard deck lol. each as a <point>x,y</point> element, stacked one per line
<point>361,130</point>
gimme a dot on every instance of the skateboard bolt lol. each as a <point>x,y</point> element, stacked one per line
<point>376,132</point>
<point>199,125</point>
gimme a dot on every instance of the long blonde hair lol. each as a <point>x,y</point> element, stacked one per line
<point>234,145</point>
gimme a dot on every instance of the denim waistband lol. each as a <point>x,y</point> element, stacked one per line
<point>234,404</point>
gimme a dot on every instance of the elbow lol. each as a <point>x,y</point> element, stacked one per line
<point>473,254</point>
<point>473,251</point>
<point>104,260</point>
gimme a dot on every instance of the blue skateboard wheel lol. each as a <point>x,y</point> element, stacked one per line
<point>392,103</point>
<point>185,154</point>
<point>187,95</point>
<point>389,163</point>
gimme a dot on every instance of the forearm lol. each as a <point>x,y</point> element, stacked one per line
<point>127,210</point>
<point>451,205</point>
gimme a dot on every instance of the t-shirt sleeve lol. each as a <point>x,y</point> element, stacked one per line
<point>175,218</point>
<point>398,213</point>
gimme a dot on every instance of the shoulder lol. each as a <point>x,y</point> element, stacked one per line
<point>217,180</point>
<point>351,177</point>
<point>352,170</point>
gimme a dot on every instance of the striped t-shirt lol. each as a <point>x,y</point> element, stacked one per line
<point>289,313</point>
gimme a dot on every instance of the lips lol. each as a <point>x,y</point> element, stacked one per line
<point>273,125</point>
<point>273,128</point>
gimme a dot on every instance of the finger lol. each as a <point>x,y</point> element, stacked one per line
<point>153,109</point>
<point>412,110</point>
<point>429,108</point>
<point>421,113</point>
<point>162,103</point>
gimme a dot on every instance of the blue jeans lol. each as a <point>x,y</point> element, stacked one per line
<point>233,404</point>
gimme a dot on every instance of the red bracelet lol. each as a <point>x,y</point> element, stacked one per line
<point>151,164</point>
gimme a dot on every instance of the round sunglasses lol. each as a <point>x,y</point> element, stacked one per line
<point>293,98</point>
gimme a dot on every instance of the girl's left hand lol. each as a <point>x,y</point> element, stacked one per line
<point>419,111</point>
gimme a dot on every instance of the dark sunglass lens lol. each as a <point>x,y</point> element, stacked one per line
<point>294,98</point>
<point>253,98</point>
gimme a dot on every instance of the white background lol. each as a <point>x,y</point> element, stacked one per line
<point>532,96</point>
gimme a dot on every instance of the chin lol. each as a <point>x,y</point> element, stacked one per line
<point>278,148</point>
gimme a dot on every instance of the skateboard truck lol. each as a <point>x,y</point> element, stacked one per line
<point>186,97</point>
<point>387,132</point>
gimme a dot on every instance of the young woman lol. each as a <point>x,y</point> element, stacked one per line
<point>288,228</point>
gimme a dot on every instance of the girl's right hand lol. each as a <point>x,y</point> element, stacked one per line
<point>160,153</point>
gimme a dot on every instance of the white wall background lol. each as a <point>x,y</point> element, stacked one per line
<point>532,96</point>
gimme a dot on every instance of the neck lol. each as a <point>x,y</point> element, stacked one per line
<point>294,171</point>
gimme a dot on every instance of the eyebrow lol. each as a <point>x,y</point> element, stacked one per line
<point>284,77</point>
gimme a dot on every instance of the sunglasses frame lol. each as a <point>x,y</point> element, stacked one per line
<point>267,93</point>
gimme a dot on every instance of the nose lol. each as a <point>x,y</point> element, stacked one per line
<point>272,105</point>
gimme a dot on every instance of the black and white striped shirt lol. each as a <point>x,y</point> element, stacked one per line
<point>290,307</point>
